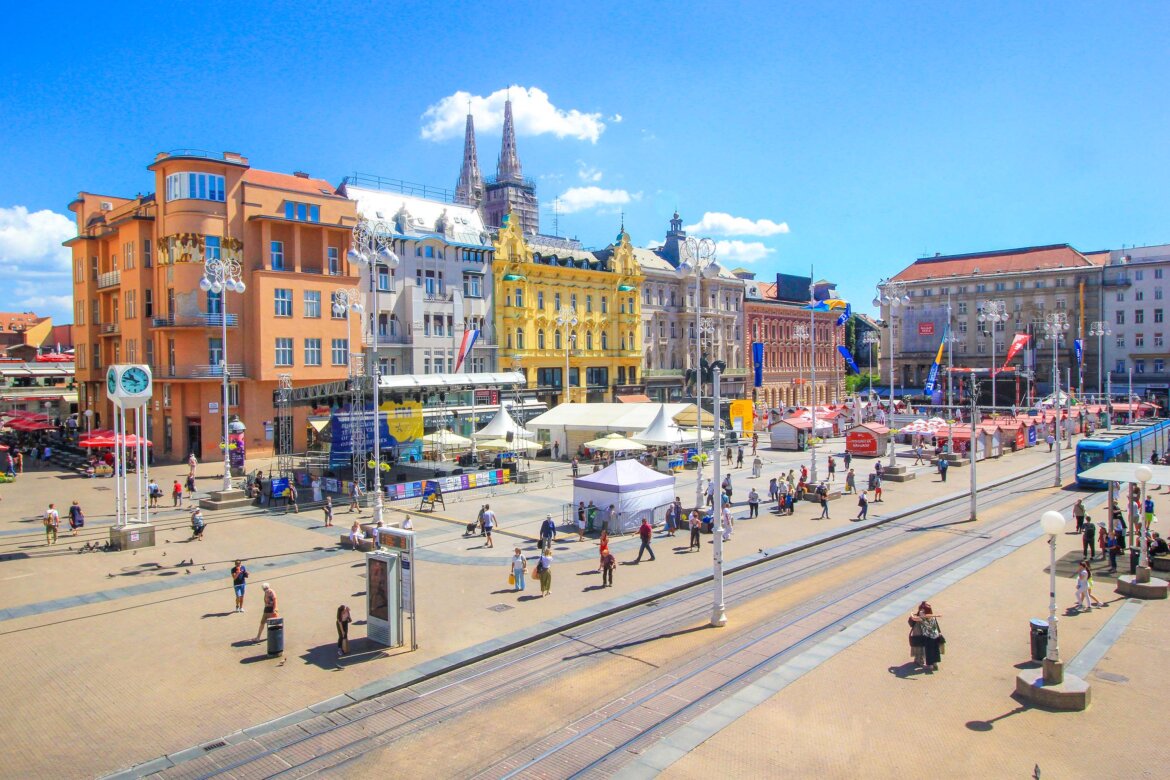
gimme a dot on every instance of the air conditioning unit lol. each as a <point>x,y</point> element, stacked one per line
<point>105,205</point>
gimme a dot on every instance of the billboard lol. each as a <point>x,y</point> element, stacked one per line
<point>919,327</point>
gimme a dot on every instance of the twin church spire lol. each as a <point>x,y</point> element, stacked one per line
<point>508,192</point>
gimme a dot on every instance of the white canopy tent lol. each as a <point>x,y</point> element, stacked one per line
<point>635,491</point>
<point>500,426</point>
<point>663,432</point>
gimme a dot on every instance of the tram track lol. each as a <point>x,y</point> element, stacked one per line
<point>338,737</point>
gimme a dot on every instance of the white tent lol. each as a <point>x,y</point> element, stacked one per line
<point>500,426</point>
<point>663,432</point>
<point>636,491</point>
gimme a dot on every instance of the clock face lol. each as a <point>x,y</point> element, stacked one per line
<point>135,381</point>
<point>111,381</point>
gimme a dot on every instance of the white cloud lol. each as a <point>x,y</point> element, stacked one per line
<point>741,251</point>
<point>587,173</point>
<point>721,223</point>
<point>577,199</point>
<point>532,111</point>
<point>35,264</point>
<point>616,118</point>
<point>40,298</point>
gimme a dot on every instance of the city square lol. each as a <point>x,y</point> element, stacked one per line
<point>813,434</point>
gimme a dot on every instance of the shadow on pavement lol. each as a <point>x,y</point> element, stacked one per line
<point>218,614</point>
<point>614,648</point>
<point>906,671</point>
<point>361,650</point>
<point>988,725</point>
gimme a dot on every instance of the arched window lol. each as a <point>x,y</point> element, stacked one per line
<point>604,340</point>
<point>519,298</point>
<point>519,338</point>
<point>557,339</point>
<point>540,339</point>
<point>588,339</point>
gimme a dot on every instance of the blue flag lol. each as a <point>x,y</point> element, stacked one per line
<point>1079,346</point>
<point>758,362</point>
<point>845,315</point>
<point>845,353</point>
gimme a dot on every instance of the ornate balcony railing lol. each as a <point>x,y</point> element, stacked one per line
<point>203,371</point>
<point>201,320</point>
<point>109,279</point>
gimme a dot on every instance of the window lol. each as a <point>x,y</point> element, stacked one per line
<point>1158,341</point>
<point>1157,273</point>
<point>540,339</point>
<point>647,296</point>
<point>302,212</point>
<point>604,340</point>
<point>597,377</point>
<point>605,303</point>
<point>1139,316</point>
<point>128,253</point>
<point>284,352</point>
<point>147,352</point>
<point>195,186</point>
<point>1138,275</point>
<point>340,352</point>
<point>588,304</point>
<point>672,330</point>
<point>549,377</point>
<point>276,255</point>
<point>148,302</point>
<point>1019,285</point>
<point>1061,282</point>
<point>147,258</point>
<point>556,301</point>
<point>999,326</point>
<point>383,281</point>
<point>1139,295</point>
<point>312,352</point>
<point>313,304</point>
<point>1139,365</point>
<point>589,339</point>
<point>334,261</point>
<point>519,338</point>
<point>1000,286</point>
<point>1157,315</point>
<point>1120,341</point>
<point>962,307</point>
<point>1139,339</point>
<point>540,300</point>
<point>1120,318</point>
<point>131,304</point>
<point>573,301</point>
<point>1159,365</point>
<point>1157,293</point>
<point>1119,366</point>
<point>214,351</point>
<point>1120,297</point>
<point>519,298</point>
<point>282,299</point>
<point>556,339</point>
<point>473,286</point>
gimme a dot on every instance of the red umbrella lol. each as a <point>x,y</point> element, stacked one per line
<point>130,440</point>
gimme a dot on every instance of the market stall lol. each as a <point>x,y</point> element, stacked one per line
<point>637,492</point>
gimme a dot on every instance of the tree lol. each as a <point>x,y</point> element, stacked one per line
<point>862,381</point>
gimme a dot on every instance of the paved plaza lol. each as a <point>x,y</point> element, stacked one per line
<point>148,651</point>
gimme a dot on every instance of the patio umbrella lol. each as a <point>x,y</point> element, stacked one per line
<point>446,439</point>
<point>503,445</point>
<point>615,445</point>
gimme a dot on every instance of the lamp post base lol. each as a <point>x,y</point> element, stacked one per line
<point>1131,585</point>
<point>225,499</point>
<point>1071,694</point>
<point>719,617</point>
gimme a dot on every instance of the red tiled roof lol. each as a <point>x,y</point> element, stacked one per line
<point>767,290</point>
<point>1005,261</point>
<point>8,319</point>
<point>286,181</point>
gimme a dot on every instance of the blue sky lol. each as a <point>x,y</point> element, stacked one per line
<point>865,134</point>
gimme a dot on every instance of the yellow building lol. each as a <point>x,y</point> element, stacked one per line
<point>559,307</point>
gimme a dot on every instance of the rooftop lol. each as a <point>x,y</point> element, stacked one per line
<point>287,181</point>
<point>1035,258</point>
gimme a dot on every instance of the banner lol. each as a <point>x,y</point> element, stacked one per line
<point>758,362</point>
<point>932,378</point>
<point>1079,346</point>
<point>845,315</point>
<point>1018,342</point>
<point>469,339</point>
<point>849,361</point>
<point>236,450</point>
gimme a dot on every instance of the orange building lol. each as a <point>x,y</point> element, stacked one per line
<point>137,264</point>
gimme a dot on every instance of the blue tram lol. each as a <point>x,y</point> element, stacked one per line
<point>1134,443</point>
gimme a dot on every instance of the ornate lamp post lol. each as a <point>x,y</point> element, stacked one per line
<point>221,276</point>
<point>801,334</point>
<point>700,261</point>
<point>1052,523</point>
<point>870,340</point>
<point>373,247</point>
<point>566,321</point>
<point>1055,325</point>
<point>1143,474</point>
<point>993,312</point>
<point>1100,329</point>
<point>891,294</point>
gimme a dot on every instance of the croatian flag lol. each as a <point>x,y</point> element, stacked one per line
<point>469,339</point>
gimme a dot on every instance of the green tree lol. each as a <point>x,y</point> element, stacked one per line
<point>862,381</point>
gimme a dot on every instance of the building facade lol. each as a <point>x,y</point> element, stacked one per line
<point>1133,342</point>
<point>441,288</point>
<point>137,265</point>
<point>1024,284</point>
<point>668,320</point>
<point>595,294</point>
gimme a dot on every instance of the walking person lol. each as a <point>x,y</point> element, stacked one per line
<point>931,638</point>
<point>1088,539</point>
<point>757,467</point>
<point>850,482</point>
<point>773,490</point>
<point>753,503</point>
<point>863,503</point>
<point>519,565</point>
<point>152,493</point>
<point>343,621</point>
<point>847,459</point>
<point>823,497</point>
<point>832,469</point>
<point>739,457</point>
<point>327,508</point>
<point>645,532</point>
<point>729,456</point>
<point>192,462</point>
<point>353,493</point>
<point>943,465</point>
<point>544,572</point>
<point>728,523</point>
<point>581,523</point>
<point>76,517</point>
<point>197,525</point>
<point>710,492</point>
<point>239,583</point>
<point>695,524</point>
<point>52,524</point>
<point>270,610</point>
<point>176,494</point>
<point>576,467</point>
<point>1114,544</point>
<point>489,522</point>
<point>548,531</point>
<point>190,490</point>
<point>608,564</point>
<point>1079,514</point>
<point>727,491</point>
<point>291,493</point>
<point>877,487</point>
<point>603,548</point>
<point>755,442</point>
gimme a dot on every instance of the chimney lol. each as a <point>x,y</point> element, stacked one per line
<point>300,174</point>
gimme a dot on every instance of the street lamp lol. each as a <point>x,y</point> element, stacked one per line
<point>993,312</point>
<point>345,301</point>
<point>88,423</point>
<point>801,334</point>
<point>1055,325</point>
<point>870,340</point>
<point>221,276</point>
<point>700,261</point>
<point>566,320</point>
<point>1100,329</point>
<point>1052,523</point>
<point>892,294</point>
<point>1143,474</point>
<point>373,247</point>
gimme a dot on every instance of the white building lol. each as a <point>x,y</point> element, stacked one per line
<point>1137,298</point>
<point>441,288</point>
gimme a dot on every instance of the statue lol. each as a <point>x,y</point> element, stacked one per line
<point>706,373</point>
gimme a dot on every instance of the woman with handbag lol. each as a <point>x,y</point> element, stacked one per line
<point>924,625</point>
<point>519,566</point>
<point>543,572</point>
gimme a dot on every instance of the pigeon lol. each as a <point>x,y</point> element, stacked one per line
<point>202,568</point>
<point>164,554</point>
<point>109,576</point>
<point>135,552</point>
<point>187,571</point>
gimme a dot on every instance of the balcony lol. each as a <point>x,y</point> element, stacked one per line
<point>201,320</point>
<point>109,279</point>
<point>111,328</point>
<point>651,373</point>
<point>202,371</point>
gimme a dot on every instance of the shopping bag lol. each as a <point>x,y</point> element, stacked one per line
<point>512,579</point>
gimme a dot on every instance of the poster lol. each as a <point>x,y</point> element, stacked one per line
<point>236,450</point>
<point>377,589</point>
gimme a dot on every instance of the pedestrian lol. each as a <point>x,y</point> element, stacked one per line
<point>929,652</point>
<point>943,465</point>
<point>152,493</point>
<point>695,524</point>
<point>544,572</point>
<point>327,508</point>
<point>548,531</point>
<point>176,494</point>
<point>580,526</point>
<point>291,494</point>
<point>190,490</point>
<point>76,517</point>
<point>739,457</point>
<point>729,456</point>
<point>603,548</point>
<point>1113,546</point>
<point>753,503</point>
<point>489,522</point>
<point>353,493</point>
<point>517,567</point>
<point>710,492</point>
<point>1084,590</point>
<point>1079,514</point>
<point>192,462</point>
<point>848,459</point>
<point>727,491</point>
<point>1103,536</point>
<point>1089,539</point>
<point>239,583</point>
<point>850,481</point>
<point>645,532</point>
<point>877,488</point>
<point>757,467</point>
<point>832,469</point>
<point>576,467</point>
<point>52,524</point>
<point>755,442</point>
<point>918,454</point>
<point>608,564</point>
<point>270,610</point>
<point>1050,441</point>
<point>863,503</point>
<point>197,524</point>
<point>556,450</point>
<point>728,523</point>
<point>343,621</point>
<point>773,490</point>
<point>823,498</point>
<point>671,514</point>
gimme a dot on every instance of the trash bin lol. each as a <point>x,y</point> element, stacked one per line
<point>1039,639</point>
<point>1135,555</point>
<point>276,636</point>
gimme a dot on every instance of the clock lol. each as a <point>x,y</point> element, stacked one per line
<point>135,381</point>
<point>111,381</point>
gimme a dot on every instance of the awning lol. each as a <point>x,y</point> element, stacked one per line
<point>634,399</point>
<point>1123,472</point>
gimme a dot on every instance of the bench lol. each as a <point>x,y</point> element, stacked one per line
<point>365,545</point>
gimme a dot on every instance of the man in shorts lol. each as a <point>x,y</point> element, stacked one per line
<point>270,610</point>
<point>239,581</point>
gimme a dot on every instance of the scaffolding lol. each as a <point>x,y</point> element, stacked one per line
<point>284,425</point>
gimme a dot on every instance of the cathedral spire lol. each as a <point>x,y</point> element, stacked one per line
<point>469,190</point>
<point>508,168</point>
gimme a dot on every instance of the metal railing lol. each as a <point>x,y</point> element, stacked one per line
<point>375,182</point>
<point>204,371</point>
<point>111,327</point>
<point>200,320</point>
<point>654,372</point>
<point>109,279</point>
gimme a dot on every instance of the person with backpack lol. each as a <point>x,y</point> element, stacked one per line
<point>863,503</point>
<point>52,523</point>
